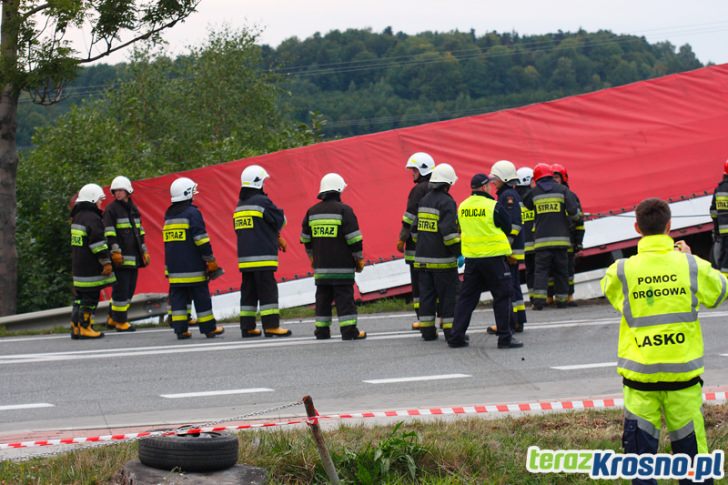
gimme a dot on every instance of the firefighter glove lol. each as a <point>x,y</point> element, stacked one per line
<point>212,266</point>
<point>107,269</point>
<point>359,265</point>
<point>400,246</point>
<point>117,258</point>
<point>147,259</point>
<point>511,260</point>
<point>282,244</point>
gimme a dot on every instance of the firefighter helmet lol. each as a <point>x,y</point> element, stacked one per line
<point>90,193</point>
<point>182,189</point>
<point>525,174</point>
<point>332,182</point>
<point>421,161</point>
<point>504,170</point>
<point>561,170</point>
<point>121,183</point>
<point>444,173</point>
<point>542,170</point>
<point>725,167</point>
<point>253,176</point>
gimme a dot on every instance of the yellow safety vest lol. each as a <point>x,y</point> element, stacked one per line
<point>658,292</point>
<point>479,236</point>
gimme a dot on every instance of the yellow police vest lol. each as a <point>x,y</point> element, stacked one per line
<point>658,291</point>
<point>479,236</point>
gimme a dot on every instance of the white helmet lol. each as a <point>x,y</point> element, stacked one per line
<point>253,177</point>
<point>182,189</point>
<point>121,183</point>
<point>422,162</point>
<point>525,174</point>
<point>444,173</point>
<point>504,170</point>
<point>90,193</point>
<point>332,182</point>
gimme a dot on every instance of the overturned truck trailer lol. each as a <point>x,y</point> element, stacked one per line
<point>666,137</point>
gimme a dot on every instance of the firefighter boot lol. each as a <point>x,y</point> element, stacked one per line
<point>350,332</point>
<point>124,326</point>
<point>184,335</point>
<point>322,333</point>
<point>192,322</point>
<point>86,329</point>
<point>253,332</point>
<point>74,330</point>
<point>570,302</point>
<point>549,300</point>
<point>428,333</point>
<point>415,325</point>
<point>277,332</point>
<point>218,331</point>
<point>110,324</point>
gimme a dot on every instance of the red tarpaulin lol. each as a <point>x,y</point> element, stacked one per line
<point>667,137</point>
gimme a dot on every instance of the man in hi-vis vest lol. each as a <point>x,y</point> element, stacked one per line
<point>660,354</point>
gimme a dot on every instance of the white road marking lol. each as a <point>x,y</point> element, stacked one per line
<point>417,379</point>
<point>216,393</point>
<point>11,407</point>
<point>585,366</point>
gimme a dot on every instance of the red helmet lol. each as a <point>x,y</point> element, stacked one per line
<point>542,170</point>
<point>725,167</point>
<point>561,170</point>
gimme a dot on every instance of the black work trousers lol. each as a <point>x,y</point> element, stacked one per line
<point>518,317</point>
<point>122,292</point>
<point>554,262</point>
<point>343,297</point>
<point>485,274</point>
<point>415,279</point>
<point>259,287</point>
<point>438,293</point>
<point>572,270</point>
<point>530,263</point>
<point>179,299</point>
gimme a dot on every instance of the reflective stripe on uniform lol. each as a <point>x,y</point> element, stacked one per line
<point>99,246</point>
<point>201,239</point>
<point>672,368</point>
<point>194,277</point>
<point>93,281</point>
<point>258,261</point>
<point>270,309</point>
<point>353,237</point>
<point>408,218</point>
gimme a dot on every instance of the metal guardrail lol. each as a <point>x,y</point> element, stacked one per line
<point>144,305</point>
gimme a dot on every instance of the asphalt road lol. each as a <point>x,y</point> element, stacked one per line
<point>150,378</point>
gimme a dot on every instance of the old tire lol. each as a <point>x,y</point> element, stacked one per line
<point>206,452</point>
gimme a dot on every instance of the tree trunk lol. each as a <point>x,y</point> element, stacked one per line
<point>8,159</point>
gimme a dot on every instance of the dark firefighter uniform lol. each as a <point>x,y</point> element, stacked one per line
<point>510,200</point>
<point>485,226</point>
<point>576,229</point>
<point>413,202</point>
<point>438,246</point>
<point>660,355</point>
<point>90,266</point>
<point>555,208</point>
<point>330,232</point>
<point>527,216</point>
<point>187,251</point>
<point>125,234</point>
<point>719,214</point>
<point>258,222</point>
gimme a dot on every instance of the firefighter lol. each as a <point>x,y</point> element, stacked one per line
<point>258,223</point>
<point>555,208</point>
<point>125,235</point>
<point>333,241</point>
<point>485,226</point>
<point>504,178</point>
<point>719,214</point>
<point>561,176</point>
<point>420,165</point>
<point>525,175</point>
<point>660,352</point>
<point>90,260</point>
<point>436,257</point>
<point>189,262</point>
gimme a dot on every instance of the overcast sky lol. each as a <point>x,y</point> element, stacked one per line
<point>701,23</point>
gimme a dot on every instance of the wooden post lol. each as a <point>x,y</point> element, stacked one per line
<point>319,439</point>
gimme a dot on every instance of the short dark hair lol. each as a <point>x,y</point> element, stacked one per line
<point>652,216</point>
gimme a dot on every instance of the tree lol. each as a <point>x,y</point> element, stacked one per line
<point>37,57</point>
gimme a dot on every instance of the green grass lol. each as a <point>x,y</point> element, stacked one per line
<point>471,450</point>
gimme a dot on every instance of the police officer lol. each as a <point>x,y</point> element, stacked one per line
<point>125,235</point>
<point>561,176</point>
<point>90,260</point>
<point>485,226</point>
<point>504,178</point>
<point>719,214</point>
<point>258,223</point>
<point>436,256</point>
<point>555,207</point>
<point>330,232</point>
<point>660,352</point>
<point>525,175</point>
<point>420,164</point>
<point>189,261</point>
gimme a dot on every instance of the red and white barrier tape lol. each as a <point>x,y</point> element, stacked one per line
<point>439,411</point>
